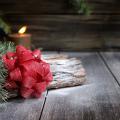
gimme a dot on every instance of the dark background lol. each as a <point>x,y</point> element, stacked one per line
<point>54,25</point>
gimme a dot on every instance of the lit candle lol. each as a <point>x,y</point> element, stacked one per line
<point>21,38</point>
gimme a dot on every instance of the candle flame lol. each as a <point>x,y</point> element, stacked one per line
<point>22,30</point>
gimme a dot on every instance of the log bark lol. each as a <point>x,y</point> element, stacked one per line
<point>67,72</point>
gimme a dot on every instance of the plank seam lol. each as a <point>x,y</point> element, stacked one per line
<point>43,105</point>
<point>104,61</point>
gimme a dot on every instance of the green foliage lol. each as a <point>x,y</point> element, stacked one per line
<point>4,26</point>
<point>4,48</point>
<point>81,6</point>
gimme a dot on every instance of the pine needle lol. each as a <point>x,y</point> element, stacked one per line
<point>4,48</point>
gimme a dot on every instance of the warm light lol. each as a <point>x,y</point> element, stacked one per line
<point>22,30</point>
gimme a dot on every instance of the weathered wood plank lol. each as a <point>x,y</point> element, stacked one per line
<point>98,99</point>
<point>55,21</point>
<point>37,19</point>
<point>112,59</point>
<point>86,31</point>
<point>53,6</point>
<point>33,6</point>
<point>57,30</point>
<point>20,109</point>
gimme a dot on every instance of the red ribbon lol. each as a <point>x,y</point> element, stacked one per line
<point>27,72</point>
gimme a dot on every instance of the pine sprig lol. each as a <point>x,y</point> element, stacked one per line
<point>4,48</point>
<point>4,26</point>
<point>81,6</point>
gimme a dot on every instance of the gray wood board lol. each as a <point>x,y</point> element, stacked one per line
<point>21,109</point>
<point>98,99</point>
<point>112,59</point>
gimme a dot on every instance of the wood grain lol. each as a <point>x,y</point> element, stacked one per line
<point>60,31</point>
<point>57,22</point>
<point>20,109</point>
<point>53,6</point>
<point>98,99</point>
<point>94,31</point>
<point>112,60</point>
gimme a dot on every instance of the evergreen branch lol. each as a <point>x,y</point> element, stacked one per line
<point>4,26</point>
<point>81,6</point>
<point>4,48</point>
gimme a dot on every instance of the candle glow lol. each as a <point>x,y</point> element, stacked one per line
<point>22,30</point>
<point>21,38</point>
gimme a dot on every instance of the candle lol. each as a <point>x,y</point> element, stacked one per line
<point>21,38</point>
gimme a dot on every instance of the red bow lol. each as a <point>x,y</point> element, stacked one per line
<point>27,72</point>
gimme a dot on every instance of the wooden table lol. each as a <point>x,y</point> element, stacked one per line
<point>98,99</point>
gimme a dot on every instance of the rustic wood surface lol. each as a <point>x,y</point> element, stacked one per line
<point>97,99</point>
<point>20,109</point>
<point>112,60</point>
<point>54,22</point>
<point>56,7</point>
<point>60,31</point>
